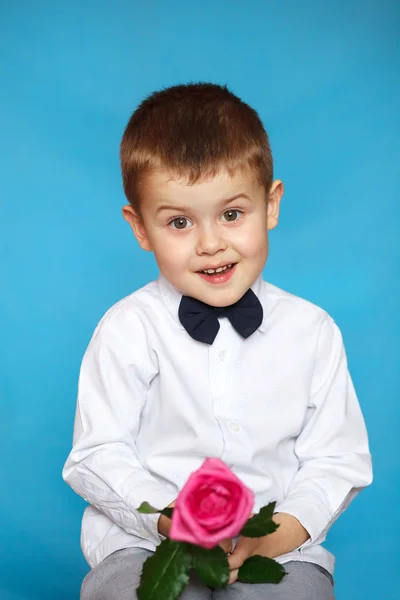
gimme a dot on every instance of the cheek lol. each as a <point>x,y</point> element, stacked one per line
<point>253,242</point>
<point>171,253</point>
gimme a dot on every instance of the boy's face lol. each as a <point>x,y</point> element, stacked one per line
<point>213,224</point>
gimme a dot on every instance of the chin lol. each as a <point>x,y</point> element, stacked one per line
<point>221,299</point>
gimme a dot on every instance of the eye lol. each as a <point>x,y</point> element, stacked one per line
<point>180,223</point>
<point>232,215</point>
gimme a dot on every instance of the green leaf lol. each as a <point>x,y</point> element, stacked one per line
<point>147,509</point>
<point>166,573</point>
<point>262,523</point>
<point>210,565</point>
<point>260,569</point>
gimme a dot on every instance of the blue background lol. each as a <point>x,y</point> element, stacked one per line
<point>324,77</point>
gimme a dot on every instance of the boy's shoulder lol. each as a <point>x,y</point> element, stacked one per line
<point>139,300</point>
<point>285,306</point>
<point>132,310</point>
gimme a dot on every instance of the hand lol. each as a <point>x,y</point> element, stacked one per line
<point>164,523</point>
<point>289,536</point>
<point>245,548</point>
<point>227,545</point>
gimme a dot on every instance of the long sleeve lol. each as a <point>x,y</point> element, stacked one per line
<point>332,449</point>
<point>103,466</point>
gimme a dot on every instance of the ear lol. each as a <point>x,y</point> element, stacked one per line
<point>137,225</point>
<point>274,202</point>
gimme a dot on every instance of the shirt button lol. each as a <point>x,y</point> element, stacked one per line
<point>233,427</point>
<point>222,355</point>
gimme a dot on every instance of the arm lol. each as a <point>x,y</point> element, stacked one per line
<point>332,449</point>
<point>290,535</point>
<point>333,454</point>
<point>103,466</point>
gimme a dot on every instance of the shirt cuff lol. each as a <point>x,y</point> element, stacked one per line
<point>158,496</point>
<point>311,511</point>
<point>148,528</point>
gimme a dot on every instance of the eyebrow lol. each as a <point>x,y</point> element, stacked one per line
<point>184,209</point>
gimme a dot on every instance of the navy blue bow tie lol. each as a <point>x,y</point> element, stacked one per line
<point>201,320</point>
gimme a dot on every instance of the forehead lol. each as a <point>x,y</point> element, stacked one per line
<point>160,185</point>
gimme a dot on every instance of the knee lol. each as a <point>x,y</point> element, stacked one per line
<point>88,591</point>
<point>96,588</point>
<point>85,594</point>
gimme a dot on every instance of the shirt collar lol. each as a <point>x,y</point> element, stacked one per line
<point>172,297</point>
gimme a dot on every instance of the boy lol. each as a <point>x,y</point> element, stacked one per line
<point>210,360</point>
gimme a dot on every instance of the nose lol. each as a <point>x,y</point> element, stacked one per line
<point>210,240</point>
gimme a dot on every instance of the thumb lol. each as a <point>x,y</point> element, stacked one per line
<point>239,555</point>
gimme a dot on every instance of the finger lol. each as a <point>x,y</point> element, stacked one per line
<point>233,576</point>
<point>238,556</point>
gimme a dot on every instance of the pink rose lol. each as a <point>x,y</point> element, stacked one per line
<point>212,506</point>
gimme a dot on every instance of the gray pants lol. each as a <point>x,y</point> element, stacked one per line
<point>117,577</point>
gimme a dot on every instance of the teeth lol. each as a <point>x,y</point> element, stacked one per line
<point>219,270</point>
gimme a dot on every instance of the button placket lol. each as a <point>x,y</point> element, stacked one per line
<point>222,368</point>
<point>223,359</point>
<point>223,355</point>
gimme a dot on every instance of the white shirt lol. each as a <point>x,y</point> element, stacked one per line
<point>278,407</point>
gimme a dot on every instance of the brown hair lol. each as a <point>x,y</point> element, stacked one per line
<point>193,131</point>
